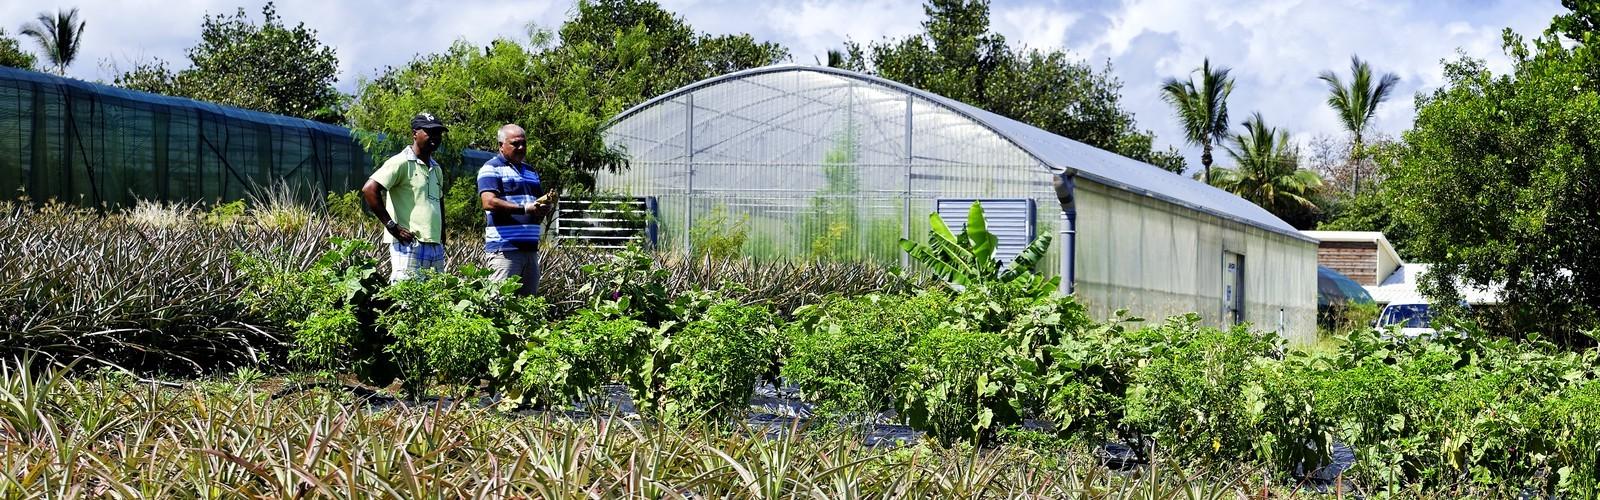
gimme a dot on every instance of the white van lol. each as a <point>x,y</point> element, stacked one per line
<point>1415,319</point>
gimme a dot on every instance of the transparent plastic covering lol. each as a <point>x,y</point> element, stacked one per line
<point>812,164</point>
<point>95,144</point>
<point>815,162</point>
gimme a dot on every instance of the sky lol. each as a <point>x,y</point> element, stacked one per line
<point>1276,48</point>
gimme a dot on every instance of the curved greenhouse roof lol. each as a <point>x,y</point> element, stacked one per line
<point>1052,152</point>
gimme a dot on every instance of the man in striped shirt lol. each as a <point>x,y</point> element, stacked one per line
<point>515,204</point>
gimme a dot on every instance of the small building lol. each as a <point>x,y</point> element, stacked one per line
<point>1368,258</point>
<point>1365,256</point>
<point>817,162</point>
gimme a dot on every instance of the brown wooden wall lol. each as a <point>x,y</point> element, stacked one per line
<point>1358,260</point>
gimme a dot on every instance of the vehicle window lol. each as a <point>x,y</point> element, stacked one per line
<point>1407,316</point>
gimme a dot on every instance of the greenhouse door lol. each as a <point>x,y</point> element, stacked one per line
<point>1232,288</point>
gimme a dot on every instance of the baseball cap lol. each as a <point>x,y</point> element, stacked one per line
<point>426,121</point>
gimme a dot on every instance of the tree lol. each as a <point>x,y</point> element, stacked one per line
<point>1267,172</point>
<point>150,76</point>
<point>1202,108</point>
<point>1370,210</point>
<point>1356,103</point>
<point>11,54</point>
<point>960,57</point>
<point>612,54</point>
<point>1499,178</point>
<point>59,36</point>
<point>268,67</point>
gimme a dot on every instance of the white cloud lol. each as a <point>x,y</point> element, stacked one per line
<point>810,27</point>
<point>1276,47</point>
<point>1276,50</point>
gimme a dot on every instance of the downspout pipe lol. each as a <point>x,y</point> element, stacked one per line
<point>1064,184</point>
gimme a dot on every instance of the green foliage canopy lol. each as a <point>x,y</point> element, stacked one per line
<point>612,54</point>
<point>1499,179</point>
<point>960,57</point>
<point>268,67</point>
<point>1268,172</point>
<point>12,55</point>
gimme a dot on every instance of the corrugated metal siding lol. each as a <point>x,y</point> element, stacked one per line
<point>1011,220</point>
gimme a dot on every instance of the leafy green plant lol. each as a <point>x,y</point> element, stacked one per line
<point>226,214</point>
<point>706,369</point>
<point>629,282</point>
<point>449,327</point>
<point>717,236</point>
<point>843,352</point>
<point>950,389</point>
<point>966,259</point>
<point>572,359</point>
<point>327,306</point>
<point>1190,396</point>
<point>346,207</point>
<point>463,209</point>
<point>1086,385</point>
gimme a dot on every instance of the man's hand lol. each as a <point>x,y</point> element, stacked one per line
<point>401,234</point>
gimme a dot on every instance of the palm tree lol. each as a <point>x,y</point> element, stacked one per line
<point>1267,170</point>
<point>1357,102</point>
<point>58,35</point>
<point>1202,108</point>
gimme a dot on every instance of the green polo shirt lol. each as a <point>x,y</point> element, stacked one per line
<point>414,190</point>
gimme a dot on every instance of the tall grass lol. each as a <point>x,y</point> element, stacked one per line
<point>154,287</point>
<point>75,437</point>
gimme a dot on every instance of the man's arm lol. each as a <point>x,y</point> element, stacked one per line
<point>372,194</point>
<point>492,202</point>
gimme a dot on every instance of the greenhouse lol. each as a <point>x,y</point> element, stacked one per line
<point>817,162</point>
<point>95,144</point>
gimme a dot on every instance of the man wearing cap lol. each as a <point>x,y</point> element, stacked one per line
<point>515,206</point>
<point>411,186</point>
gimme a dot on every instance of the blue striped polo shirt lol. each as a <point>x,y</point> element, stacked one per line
<point>517,184</point>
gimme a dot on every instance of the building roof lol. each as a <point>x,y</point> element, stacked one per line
<point>134,98</point>
<point>1401,286</point>
<point>1359,237</point>
<point>1060,154</point>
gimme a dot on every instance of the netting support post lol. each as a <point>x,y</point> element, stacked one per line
<point>905,208</point>
<point>688,172</point>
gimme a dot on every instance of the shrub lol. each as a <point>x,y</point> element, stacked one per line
<point>1086,382</point>
<point>326,339</point>
<point>718,237</point>
<point>843,352</point>
<point>226,214</point>
<point>345,275</point>
<point>463,209</point>
<point>449,346</point>
<point>950,389</point>
<point>1191,394</point>
<point>1567,427</point>
<point>574,358</point>
<point>346,207</point>
<point>707,369</point>
<point>448,327</point>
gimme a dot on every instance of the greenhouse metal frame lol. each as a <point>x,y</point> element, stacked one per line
<point>818,162</point>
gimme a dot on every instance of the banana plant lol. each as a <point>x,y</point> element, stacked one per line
<point>966,259</point>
